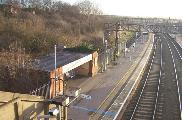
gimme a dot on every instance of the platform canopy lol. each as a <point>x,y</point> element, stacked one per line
<point>65,59</point>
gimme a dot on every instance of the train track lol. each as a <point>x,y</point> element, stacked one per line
<point>158,96</point>
<point>145,105</point>
<point>175,51</point>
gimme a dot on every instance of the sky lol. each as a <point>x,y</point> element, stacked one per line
<point>140,8</point>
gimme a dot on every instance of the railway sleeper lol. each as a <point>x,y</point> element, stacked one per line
<point>148,98</point>
<point>145,117</point>
<point>145,108</point>
<point>146,102</point>
<point>149,94</point>
<point>146,105</point>
<point>144,112</point>
<point>152,82</point>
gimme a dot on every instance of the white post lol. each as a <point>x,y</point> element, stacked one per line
<point>142,38</point>
<point>130,58</point>
<point>55,67</point>
<point>124,49</point>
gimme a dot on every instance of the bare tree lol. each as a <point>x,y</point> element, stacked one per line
<point>47,3</point>
<point>57,6</point>
<point>14,3</point>
<point>36,3</point>
<point>90,10</point>
<point>87,7</point>
<point>96,10</point>
<point>65,9</point>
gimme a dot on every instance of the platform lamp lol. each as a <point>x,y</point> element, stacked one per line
<point>116,41</point>
<point>105,51</point>
<point>105,44</point>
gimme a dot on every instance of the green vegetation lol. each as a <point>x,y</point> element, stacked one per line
<point>83,48</point>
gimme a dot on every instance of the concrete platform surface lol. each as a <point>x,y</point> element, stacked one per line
<point>101,85</point>
<point>121,99</point>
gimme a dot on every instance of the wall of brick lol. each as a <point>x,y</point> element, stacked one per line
<point>93,65</point>
<point>59,82</point>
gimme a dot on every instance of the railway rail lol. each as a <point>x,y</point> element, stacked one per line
<point>158,96</point>
<point>177,64</point>
<point>146,103</point>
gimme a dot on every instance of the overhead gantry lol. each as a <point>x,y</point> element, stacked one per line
<point>171,26</point>
<point>139,25</point>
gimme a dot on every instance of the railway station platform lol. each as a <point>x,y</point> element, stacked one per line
<point>126,93</point>
<point>103,87</point>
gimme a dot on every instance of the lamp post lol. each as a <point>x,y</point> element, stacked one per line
<point>105,52</point>
<point>105,44</point>
<point>55,67</point>
<point>116,41</point>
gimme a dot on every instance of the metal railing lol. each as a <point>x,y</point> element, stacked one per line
<point>42,91</point>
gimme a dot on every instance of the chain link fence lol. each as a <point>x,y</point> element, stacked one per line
<point>42,91</point>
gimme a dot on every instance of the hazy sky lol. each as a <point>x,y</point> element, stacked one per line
<point>152,8</point>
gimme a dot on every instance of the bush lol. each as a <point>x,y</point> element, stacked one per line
<point>83,48</point>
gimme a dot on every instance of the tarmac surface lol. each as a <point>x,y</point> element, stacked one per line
<point>101,85</point>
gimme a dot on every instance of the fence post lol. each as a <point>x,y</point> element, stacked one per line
<point>47,91</point>
<point>16,111</point>
<point>43,89</point>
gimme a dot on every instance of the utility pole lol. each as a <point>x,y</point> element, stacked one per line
<point>55,82</point>
<point>61,102</point>
<point>55,68</point>
<point>142,37</point>
<point>105,42</point>
<point>116,41</point>
<point>62,115</point>
<point>125,49</point>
